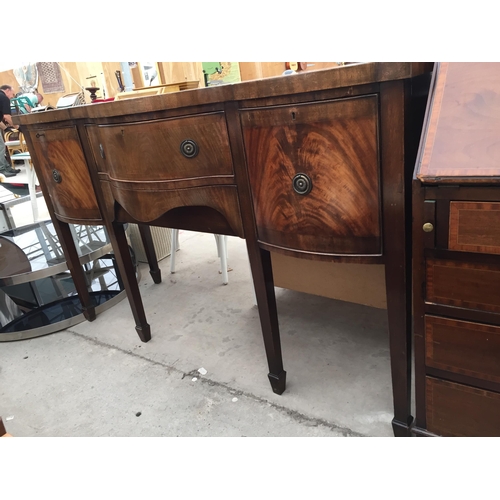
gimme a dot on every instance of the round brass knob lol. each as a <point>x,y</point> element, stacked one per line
<point>189,148</point>
<point>428,227</point>
<point>56,176</point>
<point>302,184</point>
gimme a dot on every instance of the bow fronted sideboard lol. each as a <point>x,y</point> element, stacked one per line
<point>314,165</point>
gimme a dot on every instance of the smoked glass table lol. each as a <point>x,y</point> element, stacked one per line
<point>37,293</point>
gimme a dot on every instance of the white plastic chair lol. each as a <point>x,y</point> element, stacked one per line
<point>221,242</point>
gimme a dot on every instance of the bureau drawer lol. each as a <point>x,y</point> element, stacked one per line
<point>334,146</point>
<point>61,164</point>
<point>163,150</point>
<point>463,284</point>
<point>459,410</point>
<point>463,347</point>
<point>474,227</point>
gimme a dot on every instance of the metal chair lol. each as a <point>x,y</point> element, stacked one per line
<point>221,242</point>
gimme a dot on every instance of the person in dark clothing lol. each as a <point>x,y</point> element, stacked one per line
<point>6,94</point>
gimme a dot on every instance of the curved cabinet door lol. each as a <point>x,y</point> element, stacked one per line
<point>61,163</point>
<point>314,175</point>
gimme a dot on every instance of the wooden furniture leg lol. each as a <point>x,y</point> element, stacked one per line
<point>397,250</point>
<point>149,249</point>
<point>262,273</point>
<point>73,261</point>
<point>125,265</point>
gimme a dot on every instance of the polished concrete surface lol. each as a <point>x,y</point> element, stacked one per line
<point>99,379</point>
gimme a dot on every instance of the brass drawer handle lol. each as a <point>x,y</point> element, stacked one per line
<point>56,176</point>
<point>189,148</point>
<point>302,184</point>
<point>39,135</point>
<point>428,227</point>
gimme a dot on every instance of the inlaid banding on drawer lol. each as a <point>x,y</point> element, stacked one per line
<point>459,410</point>
<point>474,227</point>
<point>463,347</point>
<point>463,284</point>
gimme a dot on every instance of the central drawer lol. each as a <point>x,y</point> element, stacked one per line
<point>164,150</point>
<point>314,175</point>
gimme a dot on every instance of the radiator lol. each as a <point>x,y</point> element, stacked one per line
<point>162,240</point>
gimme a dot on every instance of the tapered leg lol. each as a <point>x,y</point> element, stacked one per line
<point>260,264</point>
<point>397,247</point>
<point>127,273</point>
<point>77,273</point>
<point>398,284</point>
<point>149,249</point>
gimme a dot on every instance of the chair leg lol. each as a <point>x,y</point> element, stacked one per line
<point>221,241</point>
<point>174,248</point>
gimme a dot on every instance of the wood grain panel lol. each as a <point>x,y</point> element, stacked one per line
<point>463,134</point>
<point>150,150</point>
<point>463,284</point>
<point>335,143</point>
<point>147,206</point>
<point>74,196</point>
<point>463,347</point>
<point>459,410</point>
<point>474,227</point>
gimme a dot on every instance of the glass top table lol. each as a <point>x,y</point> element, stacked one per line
<point>37,293</point>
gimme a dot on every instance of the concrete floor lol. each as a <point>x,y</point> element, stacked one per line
<point>99,379</point>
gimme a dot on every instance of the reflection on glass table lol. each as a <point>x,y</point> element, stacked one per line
<point>37,293</point>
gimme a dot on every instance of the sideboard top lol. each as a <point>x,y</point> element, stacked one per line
<point>461,137</point>
<point>308,81</point>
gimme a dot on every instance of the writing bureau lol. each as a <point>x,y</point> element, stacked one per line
<point>456,196</point>
<point>316,165</point>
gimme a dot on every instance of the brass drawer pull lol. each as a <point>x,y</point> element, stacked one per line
<point>428,227</point>
<point>302,184</point>
<point>39,135</point>
<point>189,148</point>
<point>56,176</point>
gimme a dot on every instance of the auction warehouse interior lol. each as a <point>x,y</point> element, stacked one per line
<point>229,249</point>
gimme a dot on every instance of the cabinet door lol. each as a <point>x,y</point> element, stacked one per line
<point>314,175</point>
<point>62,165</point>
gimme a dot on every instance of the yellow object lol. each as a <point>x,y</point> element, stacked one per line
<point>157,90</point>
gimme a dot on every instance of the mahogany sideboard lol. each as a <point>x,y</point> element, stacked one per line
<point>456,235</point>
<point>316,165</point>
